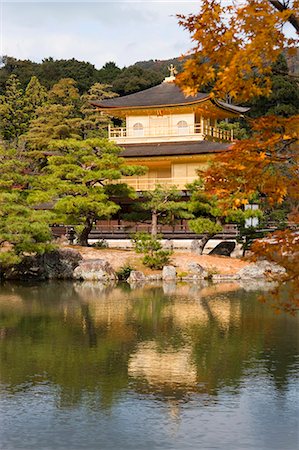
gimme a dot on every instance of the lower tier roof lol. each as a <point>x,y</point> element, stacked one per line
<point>173,149</point>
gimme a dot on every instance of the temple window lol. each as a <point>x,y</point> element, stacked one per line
<point>138,129</point>
<point>182,127</point>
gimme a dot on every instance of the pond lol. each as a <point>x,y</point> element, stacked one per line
<point>159,367</point>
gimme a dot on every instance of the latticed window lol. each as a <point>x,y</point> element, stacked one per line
<point>182,127</point>
<point>138,129</point>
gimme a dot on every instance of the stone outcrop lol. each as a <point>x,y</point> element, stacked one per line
<point>168,273</point>
<point>58,264</point>
<point>197,270</point>
<point>95,270</point>
<point>261,269</point>
<point>136,277</point>
<point>224,248</point>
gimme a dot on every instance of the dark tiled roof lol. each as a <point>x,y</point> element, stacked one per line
<point>173,149</point>
<point>165,94</point>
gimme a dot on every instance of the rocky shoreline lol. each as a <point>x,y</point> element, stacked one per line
<point>68,264</point>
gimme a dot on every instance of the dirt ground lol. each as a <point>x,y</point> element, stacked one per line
<point>119,258</point>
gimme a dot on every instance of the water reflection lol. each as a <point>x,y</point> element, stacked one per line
<point>96,346</point>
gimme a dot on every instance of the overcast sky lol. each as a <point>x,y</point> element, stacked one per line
<point>100,31</point>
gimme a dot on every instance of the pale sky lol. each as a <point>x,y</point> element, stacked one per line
<point>99,31</point>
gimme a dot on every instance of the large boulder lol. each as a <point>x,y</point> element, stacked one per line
<point>196,269</point>
<point>261,269</point>
<point>224,248</point>
<point>58,264</point>
<point>95,270</point>
<point>168,273</point>
<point>136,277</point>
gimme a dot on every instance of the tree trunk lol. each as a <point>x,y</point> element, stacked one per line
<point>202,243</point>
<point>83,237</point>
<point>154,230</point>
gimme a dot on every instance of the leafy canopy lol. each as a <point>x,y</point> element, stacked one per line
<point>235,46</point>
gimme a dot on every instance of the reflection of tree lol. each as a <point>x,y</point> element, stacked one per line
<point>89,325</point>
<point>222,336</point>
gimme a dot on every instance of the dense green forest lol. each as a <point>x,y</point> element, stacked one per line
<point>127,80</point>
<point>140,76</point>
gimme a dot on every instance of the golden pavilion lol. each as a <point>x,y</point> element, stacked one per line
<point>169,133</point>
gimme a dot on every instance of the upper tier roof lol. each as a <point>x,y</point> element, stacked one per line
<point>165,94</point>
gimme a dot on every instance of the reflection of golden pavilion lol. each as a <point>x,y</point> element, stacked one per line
<point>189,305</point>
<point>167,367</point>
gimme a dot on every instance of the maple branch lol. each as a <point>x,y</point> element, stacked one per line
<point>282,7</point>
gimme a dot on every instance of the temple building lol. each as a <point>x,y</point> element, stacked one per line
<point>169,133</point>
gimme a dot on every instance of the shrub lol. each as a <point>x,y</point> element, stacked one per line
<point>157,260</point>
<point>124,272</point>
<point>151,247</point>
<point>101,244</point>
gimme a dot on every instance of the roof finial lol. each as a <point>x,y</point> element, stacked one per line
<point>173,73</point>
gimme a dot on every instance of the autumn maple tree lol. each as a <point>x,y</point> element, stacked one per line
<point>235,46</point>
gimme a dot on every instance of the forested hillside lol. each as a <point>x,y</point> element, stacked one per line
<point>127,80</point>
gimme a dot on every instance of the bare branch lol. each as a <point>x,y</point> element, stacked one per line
<point>282,6</point>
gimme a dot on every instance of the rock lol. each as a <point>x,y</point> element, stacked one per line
<point>260,269</point>
<point>61,264</point>
<point>136,277</point>
<point>225,248</point>
<point>58,264</point>
<point>198,270</point>
<point>169,273</point>
<point>95,270</point>
<point>154,277</point>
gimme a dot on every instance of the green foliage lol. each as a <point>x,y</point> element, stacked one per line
<point>108,73</point>
<point>95,124</point>
<point>284,98</point>
<point>134,79</point>
<point>124,272</point>
<point>23,230</point>
<point>240,132</point>
<point>140,76</point>
<point>151,247</point>
<point>101,243</point>
<point>165,203</point>
<point>203,225</point>
<point>78,178</point>
<point>49,72</point>
<point>13,119</point>
<point>52,122</point>
<point>65,93</point>
<point>34,97</point>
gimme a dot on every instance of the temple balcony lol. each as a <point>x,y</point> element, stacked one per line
<point>195,132</point>
<point>149,184</point>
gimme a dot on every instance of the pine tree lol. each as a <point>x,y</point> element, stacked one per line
<point>65,93</point>
<point>23,230</point>
<point>78,179</point>
<point>164,201</point>
<point>52,122</point>
<point>94,124</point>
<point>35,96</point>
<point>13,118</point>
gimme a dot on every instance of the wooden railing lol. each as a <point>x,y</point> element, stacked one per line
<point>196,130</point>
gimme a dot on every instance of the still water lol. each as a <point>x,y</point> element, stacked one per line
<point>186,367</point>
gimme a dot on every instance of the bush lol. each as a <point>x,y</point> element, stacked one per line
<point>154,256</point>
<point>124,272</point>
<point>157,260</point>
<point>100,244</point>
